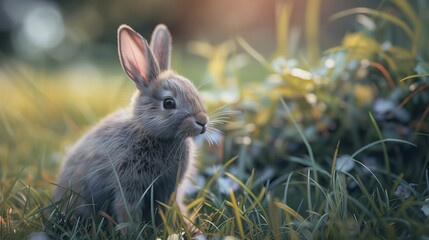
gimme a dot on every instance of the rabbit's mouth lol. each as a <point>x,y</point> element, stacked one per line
<point>194,125</point>
<point>203,127</point>
<point>201,120</point>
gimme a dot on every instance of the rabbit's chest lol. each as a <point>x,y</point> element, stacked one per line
<point>148,158</point>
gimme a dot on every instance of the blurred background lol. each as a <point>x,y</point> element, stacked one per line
<point>337,88</point>
<point>53,33</point>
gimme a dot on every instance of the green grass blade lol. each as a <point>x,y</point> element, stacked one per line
<point>312,15</point>
<point>413,76</point>
<point>255,198</point>
<point>334,162</point>
<point>210,181</point>
<point>252,52</point>
<point>304,139</point>
<point>283,16</point>
<point>237,214</point>
<point>408,10</point>
<point>379,14</point>
<point>383,145</point>
<point>379,142</point>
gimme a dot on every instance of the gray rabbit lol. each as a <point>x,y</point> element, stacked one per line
<point>148,144</point>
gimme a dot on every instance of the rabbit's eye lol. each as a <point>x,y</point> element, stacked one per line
<point>169,103</point>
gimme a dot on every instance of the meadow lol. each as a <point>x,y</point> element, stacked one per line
<point>314,144</point>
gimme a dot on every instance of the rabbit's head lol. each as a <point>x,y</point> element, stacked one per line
<point>166,105</point>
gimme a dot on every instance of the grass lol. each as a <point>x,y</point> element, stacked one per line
<point>312,155</point>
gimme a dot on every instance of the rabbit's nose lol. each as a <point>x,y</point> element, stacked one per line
<point>201,119</point>
<point>204,127</point>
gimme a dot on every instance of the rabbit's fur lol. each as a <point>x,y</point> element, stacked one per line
<point>147,144</point>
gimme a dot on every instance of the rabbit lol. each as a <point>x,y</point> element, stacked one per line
<point>148,144</point>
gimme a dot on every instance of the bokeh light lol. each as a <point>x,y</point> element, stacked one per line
<point>36,26</point>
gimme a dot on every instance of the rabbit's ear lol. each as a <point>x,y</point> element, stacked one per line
<point>161,46</point>
<point>136,57</point>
